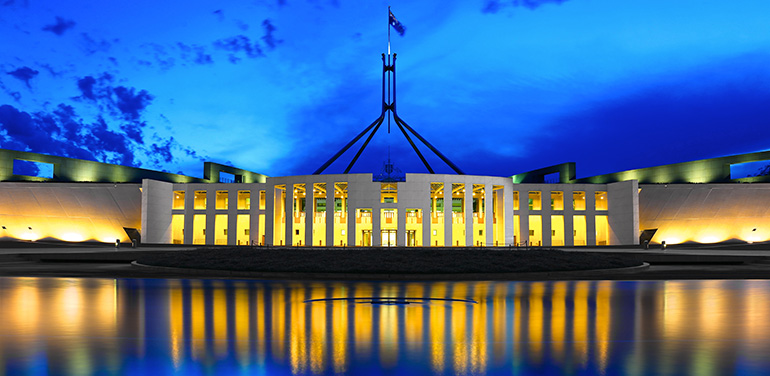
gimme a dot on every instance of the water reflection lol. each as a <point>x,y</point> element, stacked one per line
<point>90,326</point>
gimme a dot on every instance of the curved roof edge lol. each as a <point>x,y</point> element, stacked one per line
<point>712,170</point>
<point>79,170</point>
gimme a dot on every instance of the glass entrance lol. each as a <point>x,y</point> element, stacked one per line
<point>366,238</point>
<point>411,238</point>
<point>388,238</point>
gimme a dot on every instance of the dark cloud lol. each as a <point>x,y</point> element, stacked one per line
<point>131,104</point>
<point>8,3</point>
<point>86,86</point>
<point>14,94</point>
<point>92,46</point>
<point>494,6</point>
<point>133,130</point>
<point>25,74</point>
<point>60,26</point>
<point>220,14</point>
<point>51,70</point>
<point>162,151</point>
<point>269,38</point>
<point>162,57</point>
<point>116,136</point>
<point>196,54</point>
<point>239,44</point>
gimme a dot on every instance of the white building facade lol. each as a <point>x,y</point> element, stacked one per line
<point>425,210</point>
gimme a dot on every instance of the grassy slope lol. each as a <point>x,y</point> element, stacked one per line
<point>385,260</point>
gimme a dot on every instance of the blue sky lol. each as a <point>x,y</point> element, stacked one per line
<point>277,87</point>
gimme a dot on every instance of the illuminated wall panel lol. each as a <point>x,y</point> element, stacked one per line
<point>705,213</point>
<point>177,229</point>
<point>557,230</point>
<point>220,228</point>
<point>199,229</point>
<point>69,211</point>
<point>535,230</point>
<point>579,230</point>
<point>602,230</point>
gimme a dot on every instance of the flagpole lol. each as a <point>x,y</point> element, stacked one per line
<point>388,30</point>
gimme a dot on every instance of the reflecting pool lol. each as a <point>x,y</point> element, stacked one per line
<point>148,326</point>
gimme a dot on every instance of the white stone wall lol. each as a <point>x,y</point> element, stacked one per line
<point>414,193</point>
<point>157,198</point>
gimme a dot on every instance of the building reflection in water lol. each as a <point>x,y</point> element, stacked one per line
<point>97,326</point>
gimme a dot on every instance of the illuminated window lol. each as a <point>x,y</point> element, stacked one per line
<point>535,230</point>
<point>261,200</point>
<point>579,230</point>
<point>220,229</point>
<point>516,200</point>
<point>413,227</point>
<point>363,227</point>
<point>178,200</point>
<point>602,230</point>
<point>578,200</point>
<point>200,200</point>
<point>222,200</point>
<point>601,200</point>
<point>244,200</point>
<point>534,201</point>
<point>199,229</point>
<point>177,229</point>
<point>557,230</point>
<point>557,200</point>
<point>389,192</point>
<point>243,226</point>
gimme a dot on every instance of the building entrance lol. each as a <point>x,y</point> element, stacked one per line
<point>411,238</point>
<point>366,238</point>
<point>388,238</point>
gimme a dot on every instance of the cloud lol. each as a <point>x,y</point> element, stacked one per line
<point>162,151</point>
<point>269,38</point>
<point>25,74</point>
<point>60,26</point>
<point>92,46</point>
<point>8,3</point>
<point>494,6</point>
<point>51,70</point>
<point>86,86</point>
<point>195,53</point>
<point>237,44</point>
<point>63,132</point>
<point>242,45</point>
<point>131,104</point>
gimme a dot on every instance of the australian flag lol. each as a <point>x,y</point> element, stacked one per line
<point>396,25</point>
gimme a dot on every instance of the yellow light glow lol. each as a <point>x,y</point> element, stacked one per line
<point>72,237</point>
